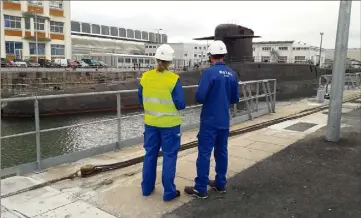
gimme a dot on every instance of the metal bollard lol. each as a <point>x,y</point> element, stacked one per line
<point>320,95</point>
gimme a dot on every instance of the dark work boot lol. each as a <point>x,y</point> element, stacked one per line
<point>212,184</point>
<point>191,191</point>
<point>177,196</point>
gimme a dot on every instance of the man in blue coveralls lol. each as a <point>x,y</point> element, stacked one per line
<point>161,94</point>
<point>217,90</point>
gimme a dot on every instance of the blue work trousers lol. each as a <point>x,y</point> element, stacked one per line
<point>169,140</point>
<point>209,137</point>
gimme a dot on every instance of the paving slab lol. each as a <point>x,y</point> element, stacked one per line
<point>77,209</point>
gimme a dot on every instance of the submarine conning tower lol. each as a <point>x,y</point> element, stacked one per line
<point>238,40</point>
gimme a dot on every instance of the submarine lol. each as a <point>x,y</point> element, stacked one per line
<point>293,81</point>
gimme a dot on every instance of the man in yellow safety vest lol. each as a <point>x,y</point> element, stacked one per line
<point>161,94</point>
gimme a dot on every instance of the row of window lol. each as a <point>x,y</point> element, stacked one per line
<point>117,32</point>
<point>150,46</point>
<point>283,48</point>
<point>39,24</point>
<point>200,48</point>
<point>301,48</point>
<point>52,3</point>
<point>283,58</point>
<point>13,48</point>
<point>133,60</point>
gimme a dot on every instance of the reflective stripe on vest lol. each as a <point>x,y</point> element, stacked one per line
<point>157,100</point>
<point>158,104</point>
<point>159,114</point>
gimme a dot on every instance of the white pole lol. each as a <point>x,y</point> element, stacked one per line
<point>338,72</point>
<point>36,36</point>
<point>319,59</point>
<point>1,19</point>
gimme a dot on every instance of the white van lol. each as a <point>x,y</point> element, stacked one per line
<point>61,62</point>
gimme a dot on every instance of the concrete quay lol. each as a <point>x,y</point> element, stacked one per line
<point>264,168</point>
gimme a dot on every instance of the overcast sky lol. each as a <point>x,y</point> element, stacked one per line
<point>182,21</point>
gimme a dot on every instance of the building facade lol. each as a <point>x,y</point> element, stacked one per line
<point>117,33</point>
<point>35,29</point>
<point>186,54</point>
<point>99,38</point>
<point>189,54</point>
<point>287,52</point>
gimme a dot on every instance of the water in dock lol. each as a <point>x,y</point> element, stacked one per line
<point>23,149</point>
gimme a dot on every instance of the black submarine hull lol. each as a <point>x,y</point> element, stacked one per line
<point>293,81</point>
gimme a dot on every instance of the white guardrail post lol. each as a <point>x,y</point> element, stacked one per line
<point>37,134</point>
<point>119,121</point>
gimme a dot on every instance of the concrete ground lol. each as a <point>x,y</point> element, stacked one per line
<point>311,178</point>
<point>270,177</point>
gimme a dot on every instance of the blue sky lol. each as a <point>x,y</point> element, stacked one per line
<point>182,21</point>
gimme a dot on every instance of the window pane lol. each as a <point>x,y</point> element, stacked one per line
<point>12,22</point>
<point>137,34</point>
<point>122,32</point>
<point>114,31</point>
<point>95,29</point>
<point>105,30</point>
<point>41,48</point>
<point>56,27</point>
<point>75,26</point>
<point>130,33</point>
<point>144,35</point>
<point>85,28</point>
<point>18,45</point>
<point>151,37</point>
<point>57,50</point>
<point>56,4</point>
<point>165,39</point>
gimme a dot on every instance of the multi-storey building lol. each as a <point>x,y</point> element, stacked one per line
<point>287,52</point>
<point>186,54</point>
<point>35,29</point>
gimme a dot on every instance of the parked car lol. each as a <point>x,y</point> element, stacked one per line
<point>92,63</point>
<point>82,64</point>
<point>46,63</point>
<point>102,64</point>
<point>4,62</point>
<point>32,63</point>
<point>61,62</point>
<point>20,63</point>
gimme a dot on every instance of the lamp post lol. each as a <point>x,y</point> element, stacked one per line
<point>338,72</point>
<point>319,58</point>
<point>36,36</point>
<point>158,38</point>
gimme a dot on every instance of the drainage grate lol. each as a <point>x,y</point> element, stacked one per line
<point>300,126</point>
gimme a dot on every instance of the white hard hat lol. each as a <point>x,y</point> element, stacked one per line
<point>217,47</point>
<point>164,52</point>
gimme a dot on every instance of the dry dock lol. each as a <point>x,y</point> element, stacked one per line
<point>265,165</point>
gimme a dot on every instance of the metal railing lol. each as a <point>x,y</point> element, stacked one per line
<point>250,93</point>
<point>352,81</point>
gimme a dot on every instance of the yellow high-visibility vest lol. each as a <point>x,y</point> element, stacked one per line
<point>159,108</point>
